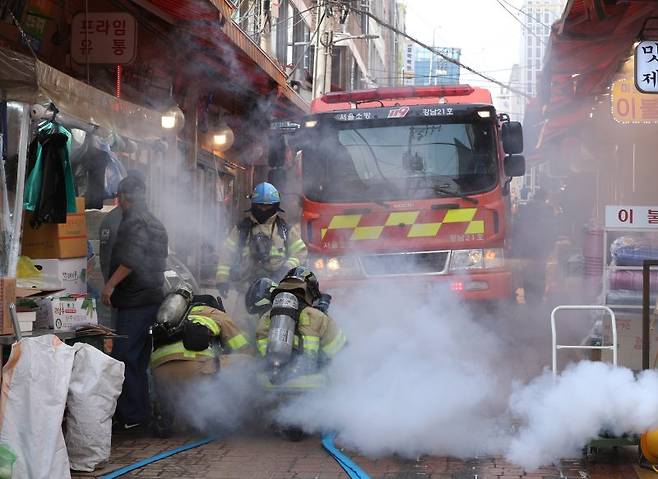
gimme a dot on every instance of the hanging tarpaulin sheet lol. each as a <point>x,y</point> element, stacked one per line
<point>25,79</point>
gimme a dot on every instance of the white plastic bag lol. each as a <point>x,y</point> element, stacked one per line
<point>95,386</point>
<point>35,383</point>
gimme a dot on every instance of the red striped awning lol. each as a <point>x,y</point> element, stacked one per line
<point>586,48</point>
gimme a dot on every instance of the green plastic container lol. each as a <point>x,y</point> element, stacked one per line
<point>7,459</point>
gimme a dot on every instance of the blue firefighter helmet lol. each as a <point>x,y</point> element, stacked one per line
<point>265,194</point>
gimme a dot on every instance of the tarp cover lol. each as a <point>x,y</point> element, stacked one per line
<point>95,386</point>
<point>24,79</point>
<point>35,384</point>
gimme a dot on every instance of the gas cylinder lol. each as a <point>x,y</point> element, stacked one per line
<point>173,307</point>
<point>283,318</point>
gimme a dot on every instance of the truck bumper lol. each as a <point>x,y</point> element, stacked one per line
<point>489,286</point>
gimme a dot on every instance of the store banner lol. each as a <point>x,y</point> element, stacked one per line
<point>631,217</point>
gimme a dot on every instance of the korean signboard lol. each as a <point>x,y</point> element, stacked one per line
<point>107,37</point>
<point>646,67</point>
<point>631,106</point>
<point>631,217</point>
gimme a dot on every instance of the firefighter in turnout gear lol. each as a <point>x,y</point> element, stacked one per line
<point>295,338</point>
<point>261,245</point>
<point>190,339</point>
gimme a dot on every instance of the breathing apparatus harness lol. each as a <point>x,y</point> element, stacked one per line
<point>260,244</point>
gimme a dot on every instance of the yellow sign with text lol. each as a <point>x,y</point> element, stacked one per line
<point>631,106</point>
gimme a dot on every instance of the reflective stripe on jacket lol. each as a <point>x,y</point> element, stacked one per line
<point>316,330</point>
<point>218,323</point>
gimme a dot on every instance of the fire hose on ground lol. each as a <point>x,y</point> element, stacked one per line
<point>352,470</point>
<point>150,460</point>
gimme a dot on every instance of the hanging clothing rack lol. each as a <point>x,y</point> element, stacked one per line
<point>41,113</point>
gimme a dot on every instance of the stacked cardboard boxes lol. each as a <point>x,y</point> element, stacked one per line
<point>59,253</point>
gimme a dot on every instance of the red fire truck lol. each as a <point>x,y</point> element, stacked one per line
<point>410,184</point>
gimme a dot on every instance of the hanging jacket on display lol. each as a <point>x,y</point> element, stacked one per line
<point>97,172</point>
<point>50,188</point>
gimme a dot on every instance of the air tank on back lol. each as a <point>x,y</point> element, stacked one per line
<point>285,309</point>
<point>174,306</point>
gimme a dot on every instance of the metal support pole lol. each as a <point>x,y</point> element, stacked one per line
<point>23,140</point>
<point>320,58</point>
<point>646,309</point>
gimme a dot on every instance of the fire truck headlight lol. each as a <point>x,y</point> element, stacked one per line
<point>469,259</point>
<point>464,259</point>
<point>336,266</point>
<point>493,258</point>
<point>333,264</point>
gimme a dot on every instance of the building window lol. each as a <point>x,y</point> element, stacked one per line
<point>282,26</point>
<point>300,34</point>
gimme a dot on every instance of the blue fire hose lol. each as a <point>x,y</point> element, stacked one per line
<point>352,470</point>
<point>149,460</point>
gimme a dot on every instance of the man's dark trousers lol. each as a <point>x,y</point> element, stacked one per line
<point>134,351</point>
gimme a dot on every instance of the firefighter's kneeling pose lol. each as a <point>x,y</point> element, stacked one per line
<point>190,336</point>
<point>296,337</point>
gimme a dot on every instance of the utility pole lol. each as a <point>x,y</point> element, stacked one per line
<point>323,43</point>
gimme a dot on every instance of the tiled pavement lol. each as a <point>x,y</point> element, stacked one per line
<point>264,456</point>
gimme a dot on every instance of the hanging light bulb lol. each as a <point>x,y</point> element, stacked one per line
<point>173,119</point>
<point>223,138</point>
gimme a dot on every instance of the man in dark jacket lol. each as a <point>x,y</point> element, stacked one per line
<point>135,289</point>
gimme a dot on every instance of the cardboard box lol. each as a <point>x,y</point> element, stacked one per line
<point>26,320</point>
<point>69,275</point>
<point>7,296</point>
<point>57,241</point>
<point>629,340</point>
<point>65,313</point>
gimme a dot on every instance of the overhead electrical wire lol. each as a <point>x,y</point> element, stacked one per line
<point>525,27</point>
<point>308,45</point>
<point>427,47</point>
<point>536,19</point>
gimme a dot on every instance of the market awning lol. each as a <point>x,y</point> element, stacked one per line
<point>586,48</point>
<point>25,79</point>
<point>210,21</point>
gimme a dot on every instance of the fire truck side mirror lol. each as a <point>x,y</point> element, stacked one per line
<point>514,165</point>
<point>512,133</point>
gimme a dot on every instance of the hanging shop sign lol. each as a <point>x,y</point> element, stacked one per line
<point>631,106</point>
<point>631,217</point>
<point>646,66</point>
<point>104,37</point>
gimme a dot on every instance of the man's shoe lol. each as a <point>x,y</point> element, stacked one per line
<point>126,427</point>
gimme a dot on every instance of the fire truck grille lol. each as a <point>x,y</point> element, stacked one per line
<point>429,262</point>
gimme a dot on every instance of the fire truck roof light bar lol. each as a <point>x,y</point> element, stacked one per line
<point>390,93</point>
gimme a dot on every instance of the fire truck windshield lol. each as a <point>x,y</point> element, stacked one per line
<point>408,159</point>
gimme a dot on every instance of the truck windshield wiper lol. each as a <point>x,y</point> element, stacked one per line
<point>453,192</point>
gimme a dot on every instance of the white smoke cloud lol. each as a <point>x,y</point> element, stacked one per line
<point>223,402</point>
<point>421,376</point>
<point>588,398</point>
<point>415,378</point>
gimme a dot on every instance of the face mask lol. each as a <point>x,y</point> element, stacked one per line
<point>262,216</point>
